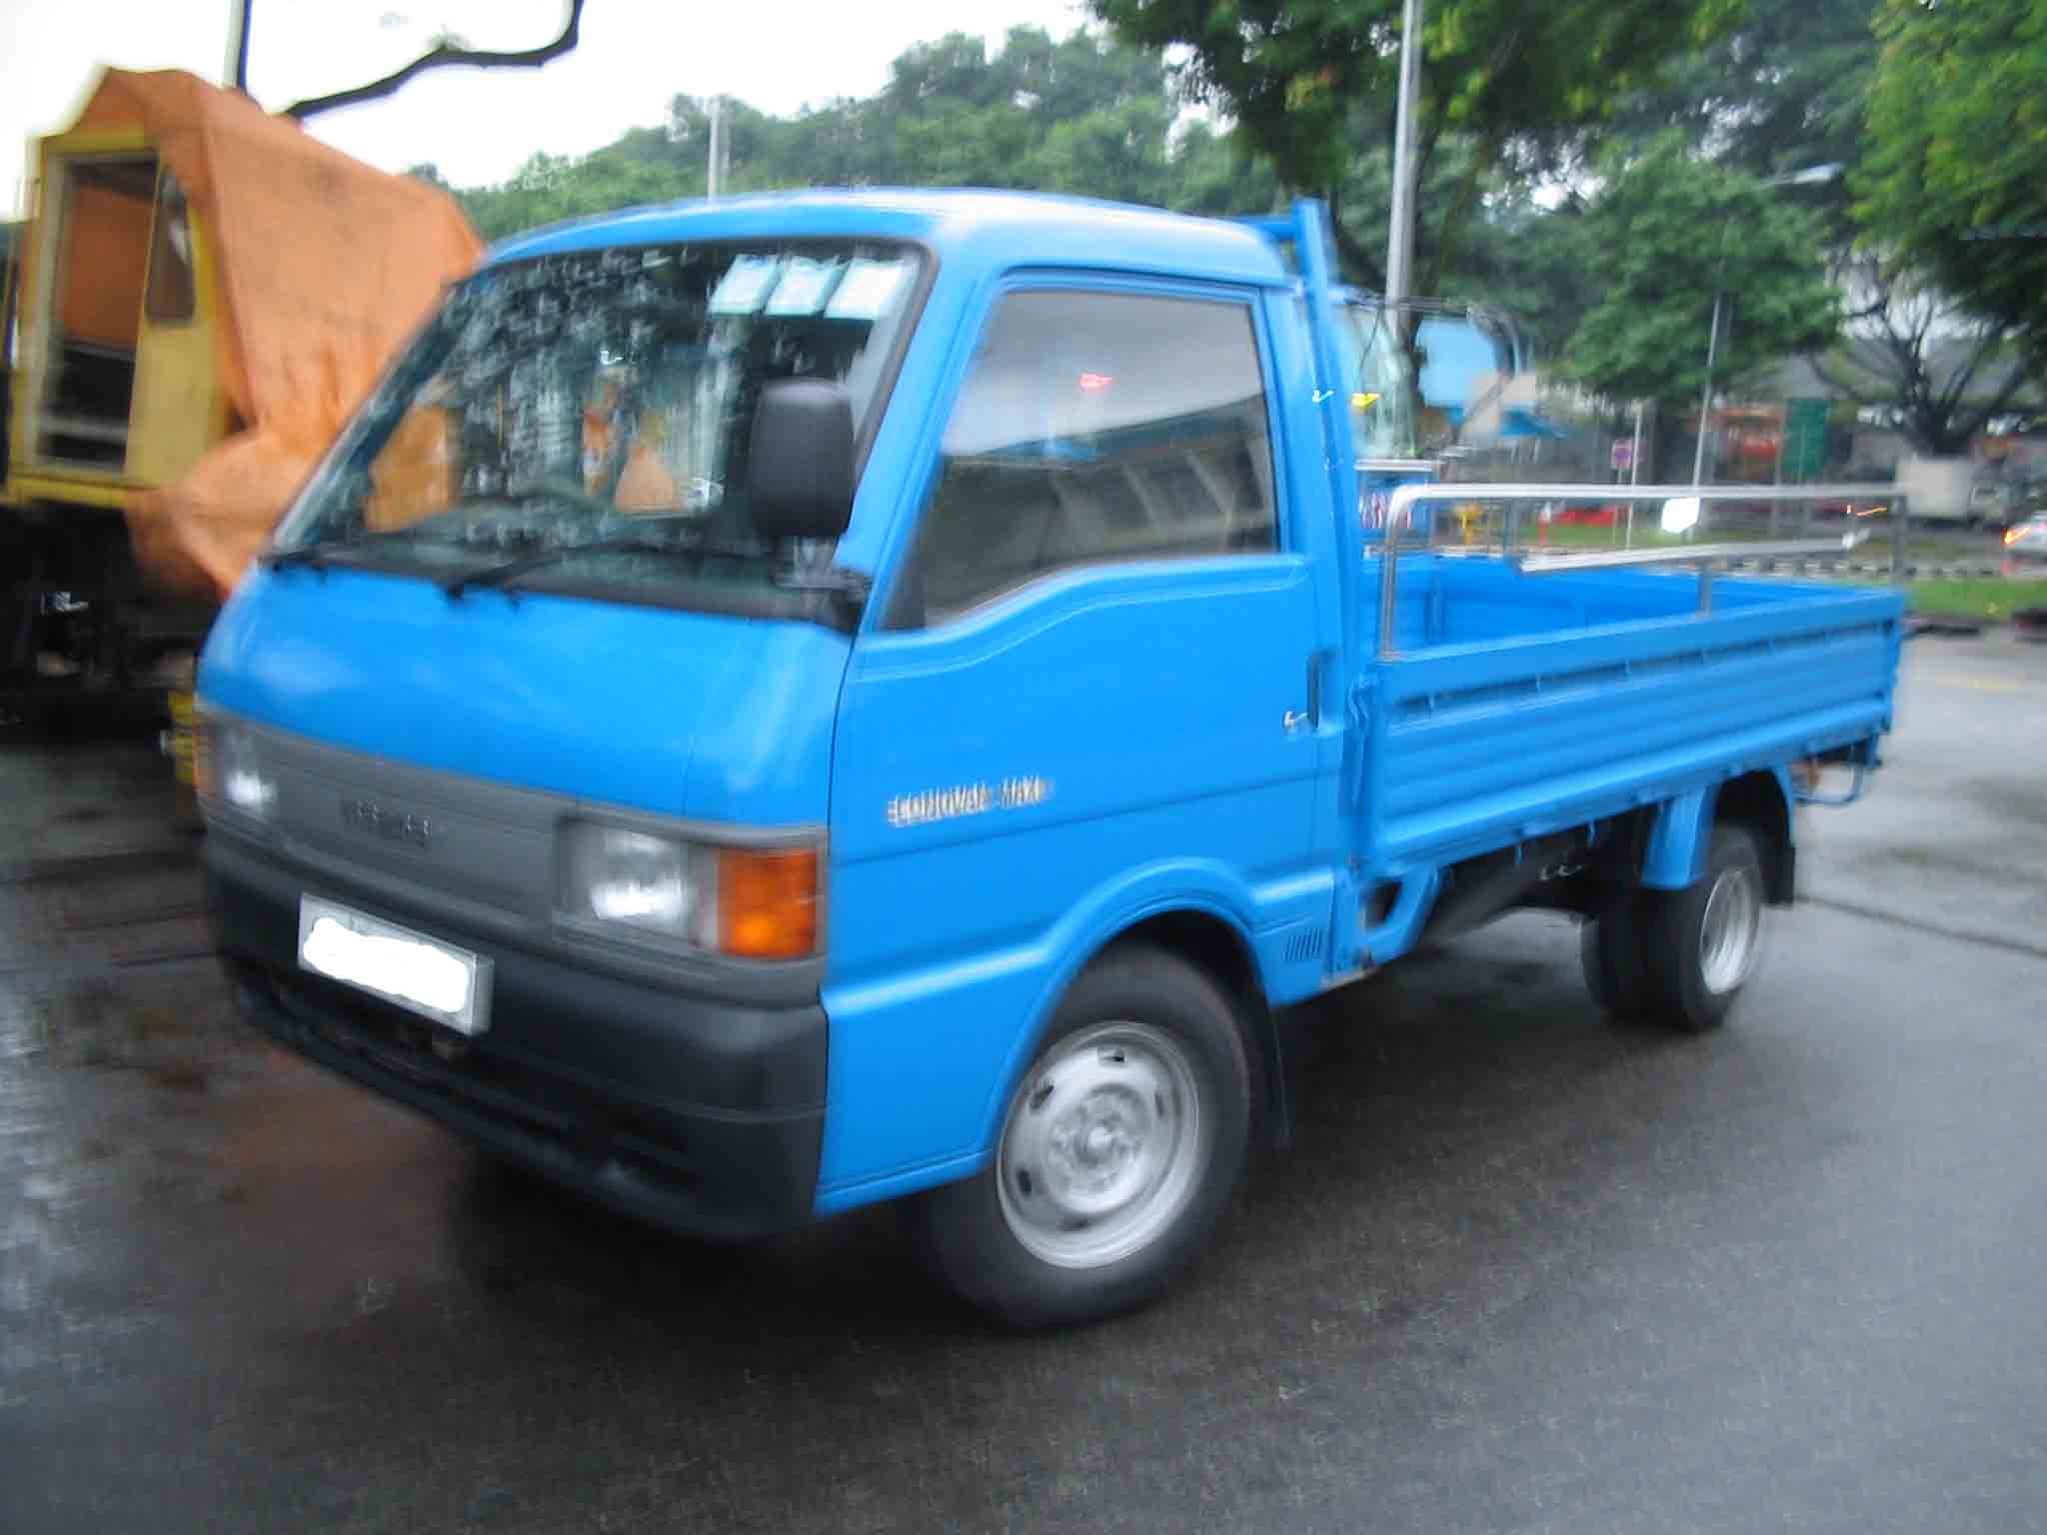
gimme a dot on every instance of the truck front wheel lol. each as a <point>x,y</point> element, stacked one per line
<point>1120,1148</point>
<point>1702,943</point>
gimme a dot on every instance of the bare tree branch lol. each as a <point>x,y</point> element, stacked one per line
<point>1483,159</point>
<point>1964,373</point>
<point>445,56</point>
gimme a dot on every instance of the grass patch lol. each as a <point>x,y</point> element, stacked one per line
<point>1986,599</point>
<point>1578,535</point>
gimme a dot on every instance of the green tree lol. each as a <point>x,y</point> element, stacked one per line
<point>1782,90</point>
<point>1787,90</point>
<point>1218,173</point>
<point>1954,181</point>
<point>1523,85</point>
<point>1667,234</point>
<point>1531,262</point>
<point>1930,369</point>
<point>1084,115</point>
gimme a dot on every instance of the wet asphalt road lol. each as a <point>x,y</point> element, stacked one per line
<point>1522,1271</point>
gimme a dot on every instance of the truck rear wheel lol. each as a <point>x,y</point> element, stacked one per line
<point>1610,947</point>
<point>1121,1146</point>
<point>1704,942</point>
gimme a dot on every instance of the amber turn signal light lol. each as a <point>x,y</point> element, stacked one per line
<point>767,902</point>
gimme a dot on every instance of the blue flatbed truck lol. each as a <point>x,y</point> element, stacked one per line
<point>815,699</point>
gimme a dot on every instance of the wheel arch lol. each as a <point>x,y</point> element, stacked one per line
<point>1762,802</point>
<point>1681,837</point>
<point>1209,938</point>
<point>1214,946</point>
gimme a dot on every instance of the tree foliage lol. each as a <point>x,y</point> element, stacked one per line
<point>1312,83</point>
<point>1082,115</point>
<point>1106,116</point>
<point>1782,90</point>
<point>1667,234</point>
<point>1954,185</point>
<point>1917,359</point>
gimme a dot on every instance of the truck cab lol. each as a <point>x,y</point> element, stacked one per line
<point>826,698</point>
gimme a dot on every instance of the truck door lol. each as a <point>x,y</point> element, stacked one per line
<point>1092,668</point>
<point>175,413</point>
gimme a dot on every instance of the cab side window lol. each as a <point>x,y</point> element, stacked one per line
<point>1096,427</point>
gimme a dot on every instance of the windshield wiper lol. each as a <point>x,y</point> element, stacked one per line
<point>320,554</point>
<point>631,543</point>
<point>313,556</point>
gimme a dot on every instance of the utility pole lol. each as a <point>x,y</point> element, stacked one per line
<point>1400,237</point>
<point>235,73</point>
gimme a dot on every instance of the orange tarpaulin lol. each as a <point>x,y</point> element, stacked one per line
<point>322,268</point>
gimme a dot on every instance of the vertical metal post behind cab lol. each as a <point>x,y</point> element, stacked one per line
<point>1313,250</point>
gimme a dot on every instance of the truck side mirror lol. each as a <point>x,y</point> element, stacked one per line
<point>799,469</point>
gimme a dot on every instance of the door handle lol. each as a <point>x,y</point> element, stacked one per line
<point>1311,716</point>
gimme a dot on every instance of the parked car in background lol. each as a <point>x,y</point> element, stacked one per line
<point>2026,544</point>
<point>1998,503</point>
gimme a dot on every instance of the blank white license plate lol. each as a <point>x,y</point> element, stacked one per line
<point>435,979</point>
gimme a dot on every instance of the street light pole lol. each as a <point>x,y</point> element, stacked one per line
<point>1706,394</point>
<point>1400,233</point>
<point>1806,177</point>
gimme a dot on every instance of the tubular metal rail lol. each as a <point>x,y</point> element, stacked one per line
<point>1400,515</point>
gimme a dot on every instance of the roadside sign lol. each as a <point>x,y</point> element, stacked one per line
<point>1805,439</point>
<point>1623,454</point>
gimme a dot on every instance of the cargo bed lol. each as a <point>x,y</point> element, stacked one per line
<point>1516,704</point>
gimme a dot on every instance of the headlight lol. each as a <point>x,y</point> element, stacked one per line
<point>750,903</point>
<point>628,877</point>
<point>228,773</point>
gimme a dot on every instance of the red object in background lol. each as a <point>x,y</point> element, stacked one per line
<point>1590,516</point>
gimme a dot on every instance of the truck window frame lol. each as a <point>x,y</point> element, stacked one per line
<point>906,608</point>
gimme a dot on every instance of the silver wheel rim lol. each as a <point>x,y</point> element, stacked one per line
<point>1104,1146</point>
<point>1730,931</point>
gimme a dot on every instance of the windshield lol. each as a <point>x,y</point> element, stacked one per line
<point>604,397</point>
<point>1382,396</point>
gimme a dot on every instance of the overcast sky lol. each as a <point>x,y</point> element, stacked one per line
<point>477,126</point>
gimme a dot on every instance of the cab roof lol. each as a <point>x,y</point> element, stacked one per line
<point>979,227</point>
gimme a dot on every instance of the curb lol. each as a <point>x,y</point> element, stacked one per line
<point>1836,568</point>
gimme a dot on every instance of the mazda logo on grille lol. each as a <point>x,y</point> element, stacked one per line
<point>372,819</point>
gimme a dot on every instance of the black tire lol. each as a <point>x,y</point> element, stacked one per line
<point>1611,949</point>
<point>986,1238</point>
<point>1690,991</point>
